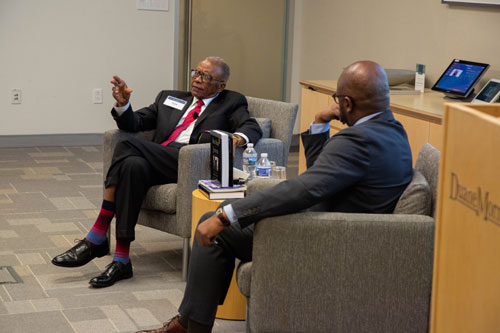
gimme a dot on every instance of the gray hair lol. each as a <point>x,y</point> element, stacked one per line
<point>224,67</point>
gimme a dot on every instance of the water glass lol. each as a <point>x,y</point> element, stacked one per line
<point>278,172</point>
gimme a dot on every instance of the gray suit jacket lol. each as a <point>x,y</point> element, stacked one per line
<point>363,168</point>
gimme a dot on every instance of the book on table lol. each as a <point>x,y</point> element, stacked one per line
<point>222,195</point>
<point>213,189</point>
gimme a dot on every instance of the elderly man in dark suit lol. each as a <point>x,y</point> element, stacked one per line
<point>180,118</point>
<point>363,168</point>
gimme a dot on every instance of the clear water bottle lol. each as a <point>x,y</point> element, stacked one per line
<point>263,169</point>
<point>249,157</point>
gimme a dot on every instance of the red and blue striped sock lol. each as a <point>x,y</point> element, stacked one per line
<point>122,251</point>
<point>97,234</point>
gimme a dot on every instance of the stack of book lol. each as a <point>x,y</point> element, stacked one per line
<point>214,191</point>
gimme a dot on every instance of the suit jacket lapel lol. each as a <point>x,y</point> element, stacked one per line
<point>176,114</point>
<point>210,108</point>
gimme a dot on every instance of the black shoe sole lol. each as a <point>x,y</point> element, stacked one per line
<point>104,285</point>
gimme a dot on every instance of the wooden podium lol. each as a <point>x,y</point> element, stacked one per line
<point>235,305</point>
<point>466,281</point>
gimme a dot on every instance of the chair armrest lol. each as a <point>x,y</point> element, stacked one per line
<point>342,272</point>
<point>194,164</point>
<point>275,150</point>
<point>259,184</point>
<point>112,137</point>
<point>244,277</point>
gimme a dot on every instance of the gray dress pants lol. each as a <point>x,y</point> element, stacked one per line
<point>211,269</point>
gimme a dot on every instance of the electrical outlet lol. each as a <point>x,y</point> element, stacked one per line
<point>97,96</point>
<point>15,96</point>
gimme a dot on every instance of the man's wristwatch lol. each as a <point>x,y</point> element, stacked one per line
<point>220,214</point>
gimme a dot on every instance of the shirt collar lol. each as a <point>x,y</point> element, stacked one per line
<point>206,101</point>
<point>366,118</point>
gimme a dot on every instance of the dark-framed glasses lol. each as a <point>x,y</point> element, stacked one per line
<point>336,98</point>
<point>204,77</point>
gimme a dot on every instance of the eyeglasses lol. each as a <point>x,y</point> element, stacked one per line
<point>336,97</point>
<point>204,77</point>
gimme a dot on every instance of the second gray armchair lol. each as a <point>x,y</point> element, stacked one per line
<point>339,272</point>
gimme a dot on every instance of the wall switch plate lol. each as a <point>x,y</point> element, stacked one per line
<point>97,96</point>
<point>161,5</point>
<point>15,96</point>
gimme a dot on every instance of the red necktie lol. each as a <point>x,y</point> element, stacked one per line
<point>189,119</point>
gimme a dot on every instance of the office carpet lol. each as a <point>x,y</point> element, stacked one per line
<point>50,197</point>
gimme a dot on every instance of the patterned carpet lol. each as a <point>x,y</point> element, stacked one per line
<point>49,197</point>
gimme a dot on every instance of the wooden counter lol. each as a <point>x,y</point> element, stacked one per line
<point>420,114</point>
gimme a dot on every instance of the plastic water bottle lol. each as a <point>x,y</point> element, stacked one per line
<point>249,157</point>
<point>263,169</point>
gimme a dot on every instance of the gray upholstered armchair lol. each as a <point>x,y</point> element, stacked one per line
<point>168,207</point>
<point>338,272</point>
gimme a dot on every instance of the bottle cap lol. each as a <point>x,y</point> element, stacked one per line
<point>263,155</point>
<point>250,145</point>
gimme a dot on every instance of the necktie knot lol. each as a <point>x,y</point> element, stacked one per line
<point>191,116</point>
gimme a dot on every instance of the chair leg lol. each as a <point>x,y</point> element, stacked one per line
<point>186,249</point>
<point>247,318</point>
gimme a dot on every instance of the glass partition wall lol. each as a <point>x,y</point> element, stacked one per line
<point>249,35</point>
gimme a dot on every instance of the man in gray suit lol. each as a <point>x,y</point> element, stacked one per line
<point>363,168</point>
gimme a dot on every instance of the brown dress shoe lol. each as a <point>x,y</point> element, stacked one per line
<point>173,326</point>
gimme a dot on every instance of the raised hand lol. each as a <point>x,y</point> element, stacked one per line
<point>330,113</point>
<point>121,93</point>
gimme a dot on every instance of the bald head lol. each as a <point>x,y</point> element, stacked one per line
<point>365,82</point>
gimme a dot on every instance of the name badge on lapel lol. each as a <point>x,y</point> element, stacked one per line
<point>175,103</point>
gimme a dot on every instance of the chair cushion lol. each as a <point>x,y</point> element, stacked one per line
<point>244,277</point>
<point>265,125</point>
<point>416,198</point>
<point>428,164</point>
<point>161,198</point>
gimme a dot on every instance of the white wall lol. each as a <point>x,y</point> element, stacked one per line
<point>57,51</point>
<point>397,34</point>
<point>331,34</point>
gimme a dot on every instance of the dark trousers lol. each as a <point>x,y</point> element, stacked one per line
<point>136,166</point>
<point>211,269</point>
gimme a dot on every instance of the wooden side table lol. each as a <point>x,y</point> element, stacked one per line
<point>234,306</point>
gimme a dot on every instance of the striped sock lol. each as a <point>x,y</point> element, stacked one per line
<point>122,251</point>
<point>97,234</point>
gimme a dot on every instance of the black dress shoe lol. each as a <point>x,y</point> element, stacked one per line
<point>115,271</point>
<point>81,253</point>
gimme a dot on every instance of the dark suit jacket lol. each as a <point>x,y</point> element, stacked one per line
<point>228,112</point>
<point>363,168</point>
